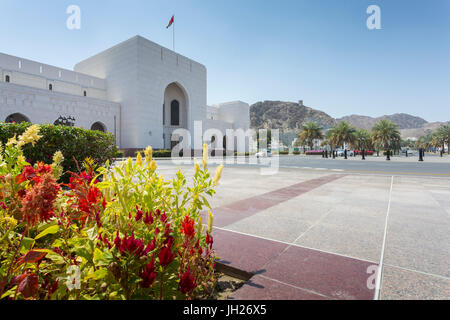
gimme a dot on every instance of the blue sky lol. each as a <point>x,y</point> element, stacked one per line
<point>316,50</point>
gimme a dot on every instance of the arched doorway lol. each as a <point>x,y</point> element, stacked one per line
<point>17,118</point>
<point>175,111</point>
<point>98,126</point>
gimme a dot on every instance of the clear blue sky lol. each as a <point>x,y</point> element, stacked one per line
<point>316,50</point>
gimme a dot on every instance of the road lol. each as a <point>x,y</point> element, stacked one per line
<point>432,166</point>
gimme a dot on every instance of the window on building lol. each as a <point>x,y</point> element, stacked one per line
<point>175,113</point>
<point>50,87</point>
<point>85,93</point>
<point>7,79</point>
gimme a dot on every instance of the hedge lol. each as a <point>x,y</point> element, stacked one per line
<point>315,152</point>
<point>159,153</point>
<point>74,143</point>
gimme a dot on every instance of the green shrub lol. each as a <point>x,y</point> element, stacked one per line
<point>296,153</point>
<point>159,153</point>
<point>119,154</point>
<point>76,144</point>
<point>283,152</point>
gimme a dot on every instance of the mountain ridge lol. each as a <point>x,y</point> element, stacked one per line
<point>289,117</point>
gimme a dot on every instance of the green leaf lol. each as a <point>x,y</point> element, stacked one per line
<point>98,256</point>
<point>100,274</point>
<point>27,244</point>
<point>56,258</point>
<point>49,230</point>
<point>57,243</point>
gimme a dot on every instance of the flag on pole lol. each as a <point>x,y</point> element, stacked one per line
<point>172,20</point>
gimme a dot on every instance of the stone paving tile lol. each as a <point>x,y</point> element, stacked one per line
<point>331,275</point>
<point>243,252</point>
<point>418,245</point>
<point>273,226</point>
<point>399,284</point>
<point>361,244</point>
<point>261,288</point>
<point>235,211</point>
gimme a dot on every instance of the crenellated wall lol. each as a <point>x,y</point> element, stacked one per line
<point>44,106</point>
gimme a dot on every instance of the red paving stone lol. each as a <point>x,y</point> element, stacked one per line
<point>244,252</point>
<point>260,288</point>
<point>310,271</point>
<point>329,274</point>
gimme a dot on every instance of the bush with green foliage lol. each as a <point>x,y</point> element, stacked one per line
<point>76,144</point>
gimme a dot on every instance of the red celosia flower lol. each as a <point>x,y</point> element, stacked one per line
<point>187,282</point>
<point>2,205</point>
<point>148,275</point>
<point>86,176</point>
<point>43,168</point>
<point>131,245</point>
<point>209,239</point>
<point>169,241</point>
<point>166,256</point>
<point>39,200</point>
<point>151,246</point>
<point>117,241</point>
<point>93,195</point>
<point>188,227</point>
<point>28,173</point>
<point>97,219</point>
<point>104,203</point>
<point>163,217</point>
<point>148,219</point>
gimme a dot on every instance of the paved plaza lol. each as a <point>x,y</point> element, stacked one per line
<point>305,233</point>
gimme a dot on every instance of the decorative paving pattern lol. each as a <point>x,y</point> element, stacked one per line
<point>286,272</point>
<point>230,213</point>
<point>306,234</point>
<point>283,271</point>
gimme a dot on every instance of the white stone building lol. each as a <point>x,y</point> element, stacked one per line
<point>137,90</point>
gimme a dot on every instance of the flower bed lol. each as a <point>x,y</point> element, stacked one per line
<point>121,232</point>
<point>366,152</point>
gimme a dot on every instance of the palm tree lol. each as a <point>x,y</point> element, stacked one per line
<point>310,132</point>
<point>342,134</point>
<point>442,134</point>
<point>386,134</point>
<point>425,142</point>
<point>363,140</point>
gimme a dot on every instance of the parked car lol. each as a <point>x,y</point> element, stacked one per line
<point>264,153</point>
<point>341,152</point>
<point>410,152</point>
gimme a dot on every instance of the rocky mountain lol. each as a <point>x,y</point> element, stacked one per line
<point>422,131</point>
<point>404,121</point>
<point>286,116</point>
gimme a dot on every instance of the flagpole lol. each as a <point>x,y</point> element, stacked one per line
<point>173,36</point>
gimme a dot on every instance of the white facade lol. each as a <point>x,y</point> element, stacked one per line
<point>138,90</point>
